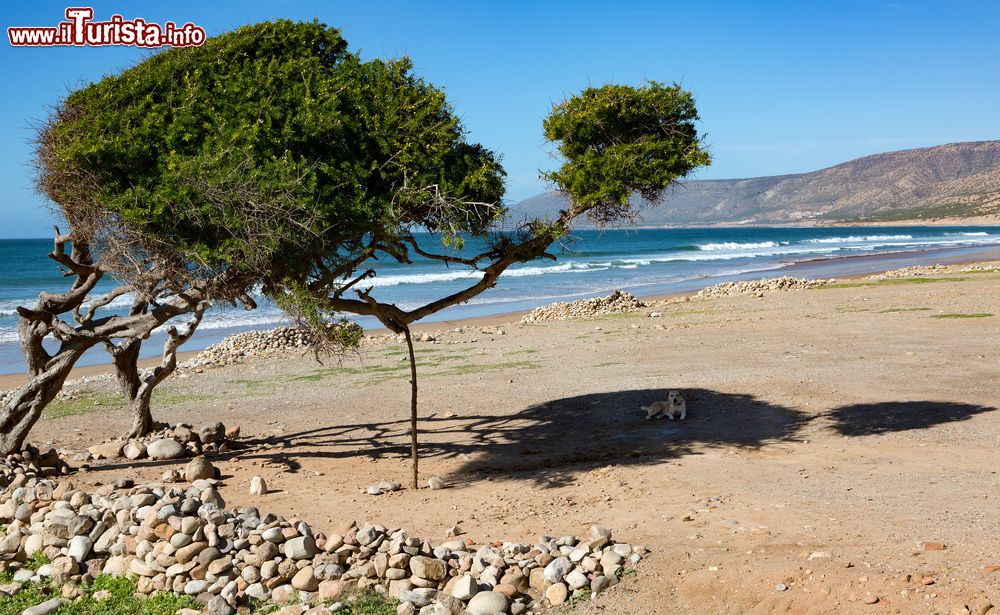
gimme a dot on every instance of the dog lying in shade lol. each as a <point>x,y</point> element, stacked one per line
<point>674,408</point>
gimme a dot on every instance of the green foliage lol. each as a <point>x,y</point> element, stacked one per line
<point>957,315</point>
<point>36,561</point>
<point>122,600</point>
<point>619,140</point>
<point>268,148</point>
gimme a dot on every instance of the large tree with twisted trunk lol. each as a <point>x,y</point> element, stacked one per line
<point>275,152</point>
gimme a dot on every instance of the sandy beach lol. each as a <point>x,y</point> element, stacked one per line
<point>839,453</point>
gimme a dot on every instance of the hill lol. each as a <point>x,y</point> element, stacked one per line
<point>959,180</point>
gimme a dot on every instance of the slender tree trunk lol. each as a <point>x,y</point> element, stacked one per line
<point>22,411</point>
<point>413,407</point>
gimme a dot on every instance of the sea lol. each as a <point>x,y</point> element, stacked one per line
<point>590,263</point>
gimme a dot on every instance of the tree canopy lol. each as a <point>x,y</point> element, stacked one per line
<point>271,148</point>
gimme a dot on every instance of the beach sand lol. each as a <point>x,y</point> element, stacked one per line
<point>830,434</point>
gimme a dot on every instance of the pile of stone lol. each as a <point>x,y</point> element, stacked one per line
<point>617,302</point>
<point>239,347</point>
<point>760,287</point>
<point>18,468</point>
<point>180,440</point>
<point>926,270</point>
<point>184,540</point>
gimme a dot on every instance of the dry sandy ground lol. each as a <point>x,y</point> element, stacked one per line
<point>830,434</point>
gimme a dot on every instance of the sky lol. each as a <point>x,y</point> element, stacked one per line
<point>782,87</point>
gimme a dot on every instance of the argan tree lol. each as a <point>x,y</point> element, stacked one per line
<point>274,151</point>
<point>78,320</point>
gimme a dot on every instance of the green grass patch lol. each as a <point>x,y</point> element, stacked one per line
<point>36,561</point>
<point>368,370</point>
<point>479,368</point>
<point>909,309</point>
<point>608,364</point>
<point>82,403</point>
<point>890,282</point>
<point>974,315</point>
<point>123,601</point>
<point>90,401</point>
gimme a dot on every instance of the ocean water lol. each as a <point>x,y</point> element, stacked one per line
<point>646,261</point>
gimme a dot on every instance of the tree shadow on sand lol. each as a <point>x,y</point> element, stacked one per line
<point>887,417</point>
<point>554,440</point>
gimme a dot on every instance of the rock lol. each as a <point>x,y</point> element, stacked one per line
<point>79,548</point>
<point>165,448</point>
<point>577,580</point>
<point>602,583</point>
<point>302,547</point>
<point>488,603</point>
<point>599,536</point>
<point>420,597</point>
<point>218,606</point>
<point>107,450</point>
<point>780,587</point>
<point>283,594</point>
<point>257,486</point>
<point>197,469</point>
<point>557,569</point>
<point>871,599</point>
<point>44,608</point>
<point>436,482</point>
<point>934,546</point>
<point>211,432</point>
<point>212,496</point>
<point>556,594</point>
<point>406,608</point>
<point>134,450</point>
<point>428,568</point>
<point>330,590</point>
<point>305,580</point>
<point>465,588</point>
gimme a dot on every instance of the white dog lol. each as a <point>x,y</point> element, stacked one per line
<point>675,407</point>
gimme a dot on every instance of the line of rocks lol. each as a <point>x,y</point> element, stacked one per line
<point>929,270</point>
<point>617,302</point>
<point>18,468</point>
<point>238,347</point>
<point>184,540</point>
<point>180,440</point>
<point>760,287</point>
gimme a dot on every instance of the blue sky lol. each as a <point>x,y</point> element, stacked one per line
<point>782,87</point>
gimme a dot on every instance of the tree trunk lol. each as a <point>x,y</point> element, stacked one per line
<point>21,412</point>
<point>142,414</point>
<point>413,407</point>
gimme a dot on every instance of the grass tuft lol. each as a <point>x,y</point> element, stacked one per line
<point>976,315</point>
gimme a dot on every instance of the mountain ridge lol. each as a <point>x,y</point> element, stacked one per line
<point>955,180</point>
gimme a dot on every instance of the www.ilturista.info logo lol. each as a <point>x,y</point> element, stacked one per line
<point>79,30</point>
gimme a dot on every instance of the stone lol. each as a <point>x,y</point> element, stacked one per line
<point>134,450</point>
<point>465,588</point>
<point>106,450</point>
<point>283,594</point>
<point>556,594</point>
<point>257,591</point>
<point>871,599</point>
<point>536,579</point>
<point>436,482</point>
<point>257,486</point>
<point>330,590</point>
<point>577,580</point>
<point>197,469</point>
<point>428,568</point>
<point>211,495</point>
<point>165,448</point>
<point>406,608</point>
<point>195,587</point>
<point>302,547</point>
<point>934,546</point>
<point>211,432</point>
<point>488,603</point>
<point>79,548</point>
<point>420,597</point>
<point>602,583</point>
<point>218,606</point>
<point>599,536</point>
<point>557,569</point>
<point>44,608</point>
<point>305,580</point>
